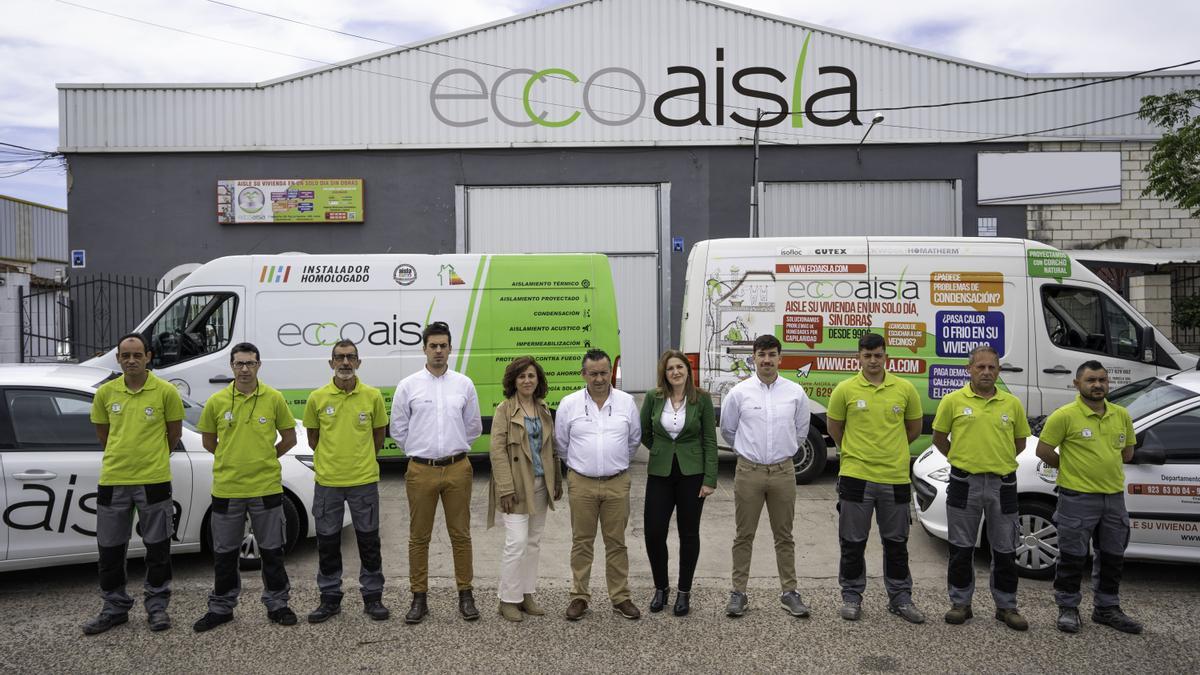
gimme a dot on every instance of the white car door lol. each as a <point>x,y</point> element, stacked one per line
<point>1164,499</point>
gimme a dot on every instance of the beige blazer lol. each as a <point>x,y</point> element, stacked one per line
<point>512,461</point>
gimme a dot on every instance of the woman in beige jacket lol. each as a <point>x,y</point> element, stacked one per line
<point>525,471</point>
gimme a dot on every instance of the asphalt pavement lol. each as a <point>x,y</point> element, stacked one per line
<point>40,612</point>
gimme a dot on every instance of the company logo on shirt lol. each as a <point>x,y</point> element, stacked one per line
<point>228,415</point>
<point>1121,438</point>
<point>116,408</point>
<point>149,411</point>
<point>896,409</point>
<point>968,411</point>
<point>329,410</point>
<point>862,405</point>
<point>362,417</point>
<point>262,420</point>
<point>1086,433</point>
<point>1004,418</point>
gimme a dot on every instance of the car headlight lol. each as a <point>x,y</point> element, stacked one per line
<point>941,475</point>
<point>306,460</point>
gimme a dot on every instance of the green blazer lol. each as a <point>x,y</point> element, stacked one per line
<point>696,445</point>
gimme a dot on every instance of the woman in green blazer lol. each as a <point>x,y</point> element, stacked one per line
<point>679,427</point>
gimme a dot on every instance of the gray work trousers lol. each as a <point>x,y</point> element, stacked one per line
<point>114,526</point>
<point>228,525</point>
<point>969,497</point>
<point>857,498</point>
<point>1082,518</point>
<point>329,504</point>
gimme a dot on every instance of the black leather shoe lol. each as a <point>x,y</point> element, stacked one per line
<point>210,621</point>
<point>374,608</point>
<point>328,608</point>
<point>418,611</point>
<point>659,600</point>
<point>466,605</point>
<point>683,603</point>
<point>103,622</point>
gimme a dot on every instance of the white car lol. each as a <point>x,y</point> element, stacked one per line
<point>50,460</point>
<point>1162,484</point>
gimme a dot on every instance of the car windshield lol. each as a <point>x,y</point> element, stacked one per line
<point>1148,396</point>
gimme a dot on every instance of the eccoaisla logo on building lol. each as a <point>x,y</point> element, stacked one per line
<point>274,274</point>
<point>751,83</point>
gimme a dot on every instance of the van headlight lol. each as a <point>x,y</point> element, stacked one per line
<point>941,475</point>
<point>306,460</point>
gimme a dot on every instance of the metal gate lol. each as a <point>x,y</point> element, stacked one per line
<point>83,316</point>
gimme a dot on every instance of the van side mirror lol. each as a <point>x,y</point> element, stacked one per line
<point>1149,451</point>
<point>1149,349</point>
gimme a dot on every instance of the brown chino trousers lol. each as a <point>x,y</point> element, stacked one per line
<point>425,485</point>
<point>755,485</point>
<point>606,502</point>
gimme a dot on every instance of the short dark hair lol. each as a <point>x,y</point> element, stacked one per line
<point>140,338</point>
<point>435,328</point>
<point>343,343</point>
<point>247,347</point>
<point>871,341</point>
<point>1089,365</point>
<point>765,342</point>
<point>518,366</point>
<point>594,355</point>
<point>982,349</point>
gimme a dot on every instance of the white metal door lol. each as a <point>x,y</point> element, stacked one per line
<point>621,221</point>
<point>924,208</point>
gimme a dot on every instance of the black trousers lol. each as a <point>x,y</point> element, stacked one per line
<point>679,494</point>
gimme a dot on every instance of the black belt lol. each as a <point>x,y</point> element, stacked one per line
<point>615,475</point>
<point>444,461</point>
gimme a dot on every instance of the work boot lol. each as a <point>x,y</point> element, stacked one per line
<point>1068,619</point>
<point>419,610</point>
<point>284,616</point>
<point>466,605</point>
<point>158,620</point>
<point>577,609</point>
<point>738,604</point>
<point>531,607</point>
<point>329,606</point>
<point>210,621</point>
<point>958,614</point>
<point>1113,617</point>
<point>627,609</point>
<point>851,611</point>
<point>103,622</point>
<point>793,604</point>
<point>907,611</point>
<point>1012,618</point>
<point>374,608</point>
<point>511,611</point>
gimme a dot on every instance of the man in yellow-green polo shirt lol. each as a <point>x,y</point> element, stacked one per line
<point>982,429</point>
<point>346,423</point>
<point>138,419</point>
<point>240,425</point>
<point>1094,437</point>
<point>873,416</point>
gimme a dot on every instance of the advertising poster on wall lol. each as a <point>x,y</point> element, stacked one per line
<point>290,200</point>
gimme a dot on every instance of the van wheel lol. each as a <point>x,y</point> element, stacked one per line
<point>1037,540</point>
<point>809,460</point>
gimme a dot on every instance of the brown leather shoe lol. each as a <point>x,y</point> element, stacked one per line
<point>576,609</point>
<point>628,610</point>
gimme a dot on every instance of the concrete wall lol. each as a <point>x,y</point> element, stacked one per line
<point>143,214</point>
<point>10,322</point>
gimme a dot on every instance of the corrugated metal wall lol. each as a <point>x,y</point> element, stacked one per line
<point>861,208</point>
<point>29,232</point>
<point>385,101</point>
<point>619,220</point>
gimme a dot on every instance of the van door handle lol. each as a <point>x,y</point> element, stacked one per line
<point>220,379</point>
<point>36,474</point>
<point>1056,370</point>
<point>1011,369</point>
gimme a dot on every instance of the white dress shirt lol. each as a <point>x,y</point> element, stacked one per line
<point>597,442</point>
<point>435,417</point>
<point>765,423</point>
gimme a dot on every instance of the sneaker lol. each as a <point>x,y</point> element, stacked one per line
<point>103,622</point>
<point>908,612</point>
<point>738,604</point>
<point>576,609</point>
<point>793,604</point>
<point>1012,618</point>
<point>958,614</point>
<point>1068,619</point>
<point>376,610</point>
<point>283,616</point>
<point>158,620</point>
<point>628,610</point>
<point>1113,617</point>
<point>210,621</point>
<point>851,611</point>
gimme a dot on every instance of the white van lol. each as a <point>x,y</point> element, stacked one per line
<point>294,307</point>
<point>933,300</point>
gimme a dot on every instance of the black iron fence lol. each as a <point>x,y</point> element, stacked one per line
<point>1185,292</point>
<point>83,316</point>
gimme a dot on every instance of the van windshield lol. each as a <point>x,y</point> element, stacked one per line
<point>1148,396</point>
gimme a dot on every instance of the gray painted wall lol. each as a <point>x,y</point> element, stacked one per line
<point>143,214</point>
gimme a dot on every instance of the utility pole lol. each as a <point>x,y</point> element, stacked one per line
<point>754,185</point>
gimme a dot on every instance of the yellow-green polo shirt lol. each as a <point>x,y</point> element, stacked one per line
<point>137,452</point>
<point>1090,446</point>
<point>982,430</point>
<point>874,443</point>
<point>245,464</point>
<point>345,454</point>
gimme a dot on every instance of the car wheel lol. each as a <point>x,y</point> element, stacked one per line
<point>809,460</point>
<point>1037,540</point>
<point>249,557</point>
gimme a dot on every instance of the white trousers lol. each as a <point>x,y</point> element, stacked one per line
<point>522,547</point>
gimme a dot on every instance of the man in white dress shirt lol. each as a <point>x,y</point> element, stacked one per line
<point>598,430</point>
<point>765,418</point>
<point>435,417</point>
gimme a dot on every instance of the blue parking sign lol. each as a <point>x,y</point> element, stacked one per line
<point>78,258</point>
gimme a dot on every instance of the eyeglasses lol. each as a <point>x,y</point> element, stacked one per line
<point>345,357</point>
<point>244,365</point>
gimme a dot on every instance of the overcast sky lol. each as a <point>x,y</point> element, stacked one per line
<point>44,42</point>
